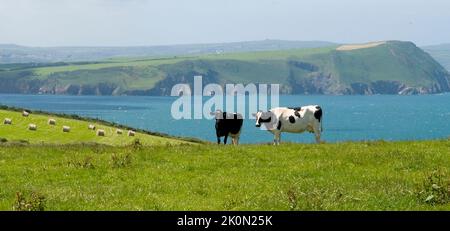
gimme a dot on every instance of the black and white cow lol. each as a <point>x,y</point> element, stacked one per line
<point>228,124</point>
<point>293,120</point>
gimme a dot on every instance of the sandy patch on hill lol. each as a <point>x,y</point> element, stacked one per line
<point>350,47</point>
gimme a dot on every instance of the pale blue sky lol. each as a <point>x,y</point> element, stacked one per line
<point>152,22</point>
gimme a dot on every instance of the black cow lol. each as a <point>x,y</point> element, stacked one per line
<point>228,124</point>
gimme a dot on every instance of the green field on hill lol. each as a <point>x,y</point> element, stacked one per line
<point>79,133</point>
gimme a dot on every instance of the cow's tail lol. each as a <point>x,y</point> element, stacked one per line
<point>321,121</point>
<point>321,124</point>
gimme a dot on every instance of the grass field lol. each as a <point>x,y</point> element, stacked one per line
<point>342,176</point>
<point>79,133</point>
<point>154,62</point>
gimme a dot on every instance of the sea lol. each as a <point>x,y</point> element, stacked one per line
<point>346,118</point>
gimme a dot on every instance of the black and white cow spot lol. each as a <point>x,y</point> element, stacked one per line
<point>279,125</point>
<point>292,119</point>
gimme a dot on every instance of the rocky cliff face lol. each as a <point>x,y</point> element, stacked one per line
<point>325,84</point>
<point>395,87</point>
<point>72,89</point>
<point>40,87</point>
<point>183,75</point>
<point>22,84</point>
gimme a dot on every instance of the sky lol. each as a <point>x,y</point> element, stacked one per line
<point>167,22</point>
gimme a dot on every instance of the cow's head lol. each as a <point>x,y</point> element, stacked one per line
<point>262,117</point>
<point>218,114</point>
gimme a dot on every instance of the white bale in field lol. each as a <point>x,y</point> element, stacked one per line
<point>32,127</point>
<point>25,113</point>
<point>91,127</point>
<point>7,121</point>
<point>66,129</point>
<point>131,133</point>
<point>51,121</point>
<point>100,132</point>
<point>119,131</point>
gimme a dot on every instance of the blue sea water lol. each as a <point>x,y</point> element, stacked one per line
<point>387,117</point>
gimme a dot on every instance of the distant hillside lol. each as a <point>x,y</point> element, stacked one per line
<point>441,53</point>
<point>10,53</point>
<point>391,67</point>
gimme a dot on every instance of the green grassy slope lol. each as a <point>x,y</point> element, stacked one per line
<point>341,176</point>
<point>388,68</point>
<point>391,61</point>
<point>53,134</point>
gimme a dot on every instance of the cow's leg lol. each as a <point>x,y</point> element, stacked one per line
<point>277,138</point>
<point>225,139</point>
<point>317,133</point>
<point>235,139</point>
<point>317,138</point>
<point>218,139</point>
